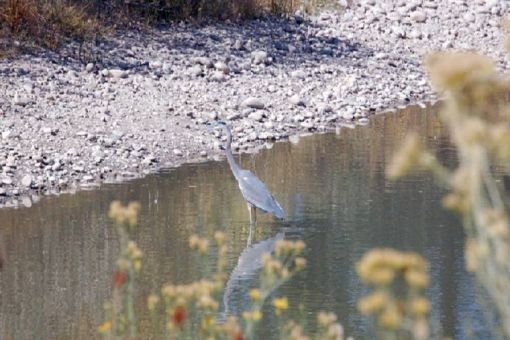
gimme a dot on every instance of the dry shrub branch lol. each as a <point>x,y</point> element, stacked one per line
<point>477,114</point>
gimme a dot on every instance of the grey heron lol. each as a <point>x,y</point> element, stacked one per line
<point>254,191</point>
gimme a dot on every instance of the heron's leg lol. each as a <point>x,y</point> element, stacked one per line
<point>250,235</point>
<point>249,210</point>
<point>254,213</point>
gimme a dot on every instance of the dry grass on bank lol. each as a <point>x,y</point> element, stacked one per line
<point>49,23</point>
<point>25,23</point>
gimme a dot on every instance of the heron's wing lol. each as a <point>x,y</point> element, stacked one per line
<point>256,193</point>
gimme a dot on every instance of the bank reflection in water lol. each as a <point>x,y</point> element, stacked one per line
<point>61,251</point>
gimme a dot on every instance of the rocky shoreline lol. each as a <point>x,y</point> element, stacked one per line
<point>143,104</point>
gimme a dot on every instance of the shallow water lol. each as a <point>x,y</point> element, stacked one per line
<point>61,251</point>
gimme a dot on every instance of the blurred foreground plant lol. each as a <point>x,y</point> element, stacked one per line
<point>477,114</point>
<point>277,269</point>
<point>121,319</point>
<point>185,311</point>
<point>397,302</point>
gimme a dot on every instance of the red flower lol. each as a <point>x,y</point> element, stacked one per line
<point>237,336</point>
<point>119,278</point>
<point>179,316</point>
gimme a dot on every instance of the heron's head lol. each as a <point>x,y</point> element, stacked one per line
<point>215,123</point>
<point>218,124</point>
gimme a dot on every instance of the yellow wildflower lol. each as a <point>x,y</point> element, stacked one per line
<point>390,319</point>
<point>420,306</point>
<point>207,322</point>
<point>124,215</point>
<point>300,263</point>
<point>326,318</point>
<point>219,236</point>
<point>416,279</point>
<point>203,246</point>
<point>193,241</point>
<point>105,327</point>
<point>168,291</point>
<point>299,246</point>
<point>152,301</point>
<point>137,265</point>
<point>123,264</point>
<point>207,302</point>
<point>456,202</point>
<point>382,276</point>
<point>281,303</point>
<point>372,303</point>
<point>252,316</point>
<point>335,331</point>
<point>255,294</point>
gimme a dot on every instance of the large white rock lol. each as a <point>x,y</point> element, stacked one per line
<point>418,16</point>
<point>254,103</point>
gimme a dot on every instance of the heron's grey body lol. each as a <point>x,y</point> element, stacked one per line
<point>253,189</point>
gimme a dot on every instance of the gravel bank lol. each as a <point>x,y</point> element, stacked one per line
<point>143,104</point>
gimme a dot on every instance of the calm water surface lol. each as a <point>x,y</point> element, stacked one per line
<point>61,250</point>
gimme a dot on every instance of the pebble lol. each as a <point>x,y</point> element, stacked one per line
<point>27,181</point>
<point>204,61</point>
<point>117,74</point>
<point>296,100</point>
<point>238,44</point>
<point>253,102</point>
<point>256,115</point>
<point>325,108</point>
<point>221,66</point>
<point>196,71</point>
<point>156,64</point>
<point>259,57</point>
<point>415,34</point>
<point>469,17</point>
<point>218,76</point>
<point>418,16</point>
<point>298,74</point>
<point>6,134</point>
<point>26,201</point>
<point>21,100</point>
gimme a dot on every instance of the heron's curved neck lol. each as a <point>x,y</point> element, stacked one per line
<point>228,150</point>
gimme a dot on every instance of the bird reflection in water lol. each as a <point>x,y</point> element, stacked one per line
<point>244,276</point>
